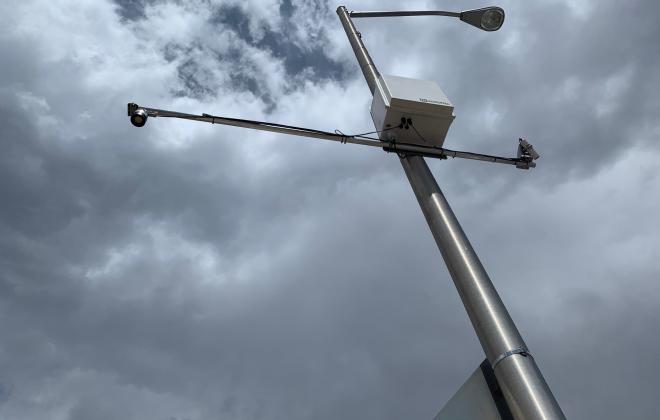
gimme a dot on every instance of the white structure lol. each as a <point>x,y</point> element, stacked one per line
<point>419,108</point>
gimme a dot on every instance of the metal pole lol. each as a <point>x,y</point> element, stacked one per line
<point>522,383</point>
<point>367,65</point>
<point>523,386</point>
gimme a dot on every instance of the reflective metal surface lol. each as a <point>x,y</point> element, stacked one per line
<point>524,388</point>
<point>364,59</point>
<point>404,13</point>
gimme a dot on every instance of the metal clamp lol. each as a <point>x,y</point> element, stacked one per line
<point>523,351</point>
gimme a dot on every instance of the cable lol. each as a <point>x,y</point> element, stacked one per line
<point>413,127</point>
<point>388,146</point>
<point>338,133</point>
<point>377,131</point>
<point>268,124</point>
<point>366,137</point>
<point>342,137</point>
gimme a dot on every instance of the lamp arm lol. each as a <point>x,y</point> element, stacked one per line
<point>404,13</point>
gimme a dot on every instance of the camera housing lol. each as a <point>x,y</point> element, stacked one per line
<point>138,115</point>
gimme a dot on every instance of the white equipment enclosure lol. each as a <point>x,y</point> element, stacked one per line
<point>419,108</point>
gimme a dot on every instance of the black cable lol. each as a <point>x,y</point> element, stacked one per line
<point>343,137</point>
<point>376,132</point>
<point>269,124</point>
<point>390,146</point>
<point>366,137</point>
<point>420,136</point>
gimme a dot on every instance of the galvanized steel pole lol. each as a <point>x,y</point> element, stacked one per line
<point>522,383</point>
<point>523,386</point>
<point>364,59</point>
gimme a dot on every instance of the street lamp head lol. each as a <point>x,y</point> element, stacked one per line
<point>488,19</point>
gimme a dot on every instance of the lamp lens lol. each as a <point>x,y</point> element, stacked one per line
<point>492,19</point>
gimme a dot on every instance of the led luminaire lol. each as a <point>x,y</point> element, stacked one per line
<point>488,19</point>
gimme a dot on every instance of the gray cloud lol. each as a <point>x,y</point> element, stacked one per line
<point>191,272</point>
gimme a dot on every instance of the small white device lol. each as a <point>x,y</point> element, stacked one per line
<point>411,111</point>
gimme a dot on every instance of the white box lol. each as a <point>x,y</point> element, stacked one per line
<point>421,101</point>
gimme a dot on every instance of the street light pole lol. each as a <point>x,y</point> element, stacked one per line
<point>523,385</point>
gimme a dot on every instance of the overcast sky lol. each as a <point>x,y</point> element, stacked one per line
<point>185,271</point>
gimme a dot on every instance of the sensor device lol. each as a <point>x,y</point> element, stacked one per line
<point>138,115</point>
<point>411,111</point>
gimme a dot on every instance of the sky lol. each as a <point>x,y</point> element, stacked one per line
<point>185,271</point>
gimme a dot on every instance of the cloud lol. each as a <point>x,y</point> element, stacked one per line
<point>190,271</point>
